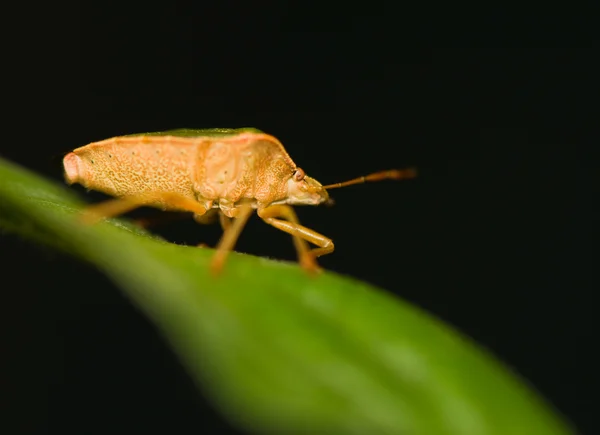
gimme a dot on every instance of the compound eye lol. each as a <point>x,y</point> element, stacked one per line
<point>299,175</point>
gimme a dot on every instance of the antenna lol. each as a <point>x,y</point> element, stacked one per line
<point>390,174</point>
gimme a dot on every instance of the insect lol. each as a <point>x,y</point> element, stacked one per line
<point>229,172</point>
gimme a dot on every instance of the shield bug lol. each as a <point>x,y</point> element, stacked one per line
<point>230,172</point>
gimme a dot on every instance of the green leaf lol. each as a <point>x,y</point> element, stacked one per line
<point>281,351</point>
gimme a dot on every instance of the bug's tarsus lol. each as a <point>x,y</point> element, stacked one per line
<point>390,174</point>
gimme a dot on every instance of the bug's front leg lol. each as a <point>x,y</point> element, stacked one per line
<point>119,206</point>
<point>300,234</point>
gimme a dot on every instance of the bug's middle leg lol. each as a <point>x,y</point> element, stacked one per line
<point>224,221</point>
<point>231,233</point>
<point>300,234</point>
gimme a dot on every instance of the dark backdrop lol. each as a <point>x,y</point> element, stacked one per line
<point>494,237</point>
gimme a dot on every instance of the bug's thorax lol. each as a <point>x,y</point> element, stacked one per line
<point>255,172</point>
<point>250,170</point>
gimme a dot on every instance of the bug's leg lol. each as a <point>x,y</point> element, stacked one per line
<point>300,234</point>
<point>230,236</point>
<point>225,221</point>
<point>118,206</point>
<point>207,218</point>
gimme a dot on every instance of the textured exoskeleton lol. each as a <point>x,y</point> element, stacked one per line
<point>232,171</point>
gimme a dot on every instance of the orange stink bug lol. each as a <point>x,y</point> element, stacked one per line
<point>231,172</point>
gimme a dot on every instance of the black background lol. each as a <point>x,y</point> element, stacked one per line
<point>494,237</point>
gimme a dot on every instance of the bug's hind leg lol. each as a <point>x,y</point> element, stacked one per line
<point>232,231</point>
<point>209,217</point>
<point>119,206</point>
<point>300,235</point>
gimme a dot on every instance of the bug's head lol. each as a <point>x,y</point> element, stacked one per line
<point>304,190</point>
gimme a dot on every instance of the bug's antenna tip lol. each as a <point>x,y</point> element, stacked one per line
<point>398,174</point>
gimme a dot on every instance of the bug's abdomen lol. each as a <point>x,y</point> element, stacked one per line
<point>127,167</point>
